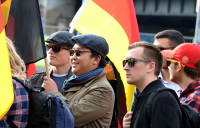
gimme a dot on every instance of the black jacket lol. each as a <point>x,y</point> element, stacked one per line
<point>37,78</point>
<point>165,109</point>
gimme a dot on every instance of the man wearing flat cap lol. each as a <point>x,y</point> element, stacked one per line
<point>87,93</point>
<point>59,44</point>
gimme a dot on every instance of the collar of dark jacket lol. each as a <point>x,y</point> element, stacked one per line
<point>151,87</point>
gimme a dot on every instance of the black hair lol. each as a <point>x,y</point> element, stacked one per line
<point>102,62</point>
<point>174,36</point>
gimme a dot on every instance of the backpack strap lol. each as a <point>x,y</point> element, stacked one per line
<point>23,83</point>
<point>10,122</point>
<point>152,96</point>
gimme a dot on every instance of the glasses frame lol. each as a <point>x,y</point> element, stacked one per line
<point>174,61</point>
<point>77,53</point>
<point>165,48</point>
<point>133,61</point>
<point>48,47</point>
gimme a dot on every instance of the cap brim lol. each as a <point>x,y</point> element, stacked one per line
<point>167,53</point>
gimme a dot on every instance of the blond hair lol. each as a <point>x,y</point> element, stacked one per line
<point>17,65</point>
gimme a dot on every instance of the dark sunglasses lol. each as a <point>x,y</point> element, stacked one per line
<point>168,63</point>
<point>78,52</point>
<point>174,61</point>
<point>56,48</point>
<point>131,61</point>
<point>165,48</point>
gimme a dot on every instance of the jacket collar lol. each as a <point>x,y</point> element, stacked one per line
<point>103,73</point>
<point>151,87</point>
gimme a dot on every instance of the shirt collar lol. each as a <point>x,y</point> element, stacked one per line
<point>191,87</point>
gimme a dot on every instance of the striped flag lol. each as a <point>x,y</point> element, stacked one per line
<point>6,86</point>
<point>5,5</point>
<point>116,22</point>
<point>24,28</point>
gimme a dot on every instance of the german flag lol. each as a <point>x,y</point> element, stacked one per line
<point>5,5</point>
<point>116,22</point>
<point>24,28</point>
<point>6,86</point>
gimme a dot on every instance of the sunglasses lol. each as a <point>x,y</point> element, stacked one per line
<point>78,52</point>
<point>131,61</point>
<point>172,60</point>
<point>56,48</point>
<point>165,48</point>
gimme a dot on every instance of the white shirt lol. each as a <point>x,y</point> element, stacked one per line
<point>173,85</point>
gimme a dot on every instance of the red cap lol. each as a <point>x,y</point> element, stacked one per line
<point>187,54</point>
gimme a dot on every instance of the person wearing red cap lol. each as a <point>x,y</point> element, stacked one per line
<point>184,67</point>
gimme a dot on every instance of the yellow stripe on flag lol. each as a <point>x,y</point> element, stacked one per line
<point>6,86</point>
<point>5,10</point>
<point>95,20</point>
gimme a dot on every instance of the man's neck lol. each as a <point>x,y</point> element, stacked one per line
<point>61,70</point>
<point>143,84</point>
<point>166,75</point>
<point>184,82</point>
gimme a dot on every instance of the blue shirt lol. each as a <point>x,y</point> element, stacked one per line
<point>59,79</point>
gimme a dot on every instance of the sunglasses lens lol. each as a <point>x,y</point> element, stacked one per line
<point>71,52</point>
<point>131,62</point>
<point>55,48</point>
<point>124,62</point>
<point>78,52</point>
<point>161,48</point>
<point>168,63</point>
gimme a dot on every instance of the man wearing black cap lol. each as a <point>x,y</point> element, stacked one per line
<point>87,93</point>
<point>59,44</point>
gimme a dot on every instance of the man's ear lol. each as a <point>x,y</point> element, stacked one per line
<point>179,67</point>
<point>97,60</point>
<point>151,67</point>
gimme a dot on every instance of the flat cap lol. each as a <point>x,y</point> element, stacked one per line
<point>61,38</point>
<point>93,42</point>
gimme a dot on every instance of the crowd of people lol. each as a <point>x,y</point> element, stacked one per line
<point>78,77</point>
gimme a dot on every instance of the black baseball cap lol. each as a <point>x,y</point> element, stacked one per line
<point>61,38</point>
<point>93,42</point>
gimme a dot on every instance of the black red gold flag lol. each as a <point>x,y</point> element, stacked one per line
<point>24,28</point>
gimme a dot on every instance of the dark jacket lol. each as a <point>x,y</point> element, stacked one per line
<point>37,78</point>
<point>165,109</point>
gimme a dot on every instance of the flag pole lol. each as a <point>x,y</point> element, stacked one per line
<point>79,13</point>
<point>47,67</point>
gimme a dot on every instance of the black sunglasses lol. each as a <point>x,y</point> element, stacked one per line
<point>165,48</point>
<point>78,52</point>
<point>56,48</point>
<point>131,61</point>
<point>168,63</point>
<point>171,60</point>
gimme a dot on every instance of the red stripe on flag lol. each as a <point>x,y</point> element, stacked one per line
<point>135,36</point>
<point>30,69</point>
<point>119,126</point>
<point>1,19</point>
<point>117,11</point>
